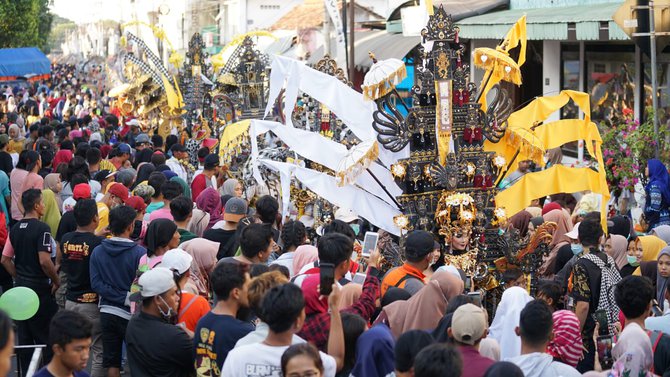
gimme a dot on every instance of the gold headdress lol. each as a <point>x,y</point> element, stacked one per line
<point>455,213</point>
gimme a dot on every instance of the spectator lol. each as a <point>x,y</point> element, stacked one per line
<point>169,191</point>
<point>504,369</point>
<point>27,257</point>
<point>353,326</point>
<point>209,202</point>
<point>267,209</point>
<point>76,250</point>
<point>283,309</point>
<point>156,181</point>
<point>255,243</point>
<point>6,343</point>
<point>207,178</point>
<point>177,163</point>
<point>113,265</point>
<point>305,255</point>
<point>506,319</point>
<point>535,329</point>
<point>616,247</point>
<point>126,177</point>
<point>230,282</point>
<point>115,196</point>
<point>409,276</point>
<point>156,347</point>
<point>550,292</point>
<point>438,360</point>
<point>302,359</point>
<point>293,235</point>
<point>104,178</point>
<point>70,339</point>
<point>6,161</point>
<point>657,205</point>
<point>566,344</point>
<point>335,249</point>
<point>409,344</point>
<point>181,209</point>
<point>232,187</point>
<point>161,236</point>
<point>67,222</point>
<point>662,277</point>
<point>468,327</point>
<point>513,277</point>
<point>204,260</point>
<point>224,231</point>
<point>140,230</point>
<point>24,177</point>
<point>191,306</point>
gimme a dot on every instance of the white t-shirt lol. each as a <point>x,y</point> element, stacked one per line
<point>261,360</point>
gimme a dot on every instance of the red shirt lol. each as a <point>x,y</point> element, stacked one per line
<point>474,364</point>
<point>198,185</point>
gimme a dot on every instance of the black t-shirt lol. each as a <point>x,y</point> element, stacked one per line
<point>6,163</point>
<point>627,270</point>
<point>662,356</point>
<point>77,248</point>
<point>30,237</point>
<point>586,277</point>
<point>67,224</point>
<point>563,255</point>
<point>226,240</point>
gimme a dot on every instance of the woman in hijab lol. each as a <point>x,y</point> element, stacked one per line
<point>16,139</point>
<point>662,277</point>
<point>349,294</point>
<point>199,222</point>
<point>566,345</point>
<point>232,187</point>
<point>651,247</point>
<point>520,222</point>
<point>563,226</point>
<point>507,319</point>
<point>52,182</point>
<point>662,232</point>
<point>209,201</point>
<point>374,353</point>
<point>656,211</point>
<point>588,203</point>
<point>144,170</point>
<point>63,156</point>
<point>616,246</point>
<point>424,310</point>
<point>633,353</point>
<point>162,235</point>
<point>204,260</point>
<point>304,255</point>
<point>51,210</point>
<point>184,186</point>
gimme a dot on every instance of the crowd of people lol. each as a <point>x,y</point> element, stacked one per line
<point>147,265</point>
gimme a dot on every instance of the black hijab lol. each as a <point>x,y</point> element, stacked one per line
<point>620,226</point>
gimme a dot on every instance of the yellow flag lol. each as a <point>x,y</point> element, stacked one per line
<point>516,36</point>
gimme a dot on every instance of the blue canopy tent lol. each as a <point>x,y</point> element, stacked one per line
<point>26,62</point>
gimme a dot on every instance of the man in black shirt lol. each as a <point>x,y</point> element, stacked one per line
<point>76,248</point>
<point>30,245</point>
<point>6,162</point>
<point>156,346</point>
<point>633,295</point>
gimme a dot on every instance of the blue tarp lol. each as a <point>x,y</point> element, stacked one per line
<point>26,61</point>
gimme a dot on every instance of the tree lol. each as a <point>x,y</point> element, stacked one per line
<point>25,23</point>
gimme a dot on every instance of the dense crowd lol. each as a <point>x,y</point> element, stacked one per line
<point>148,265</point>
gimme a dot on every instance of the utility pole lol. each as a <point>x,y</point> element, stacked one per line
<point>326,30</point>
<point>352,56</point>
<point>654,74</point>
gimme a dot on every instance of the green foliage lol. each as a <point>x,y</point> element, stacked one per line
<point>25,23</point>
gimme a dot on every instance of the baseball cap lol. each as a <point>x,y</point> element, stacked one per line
<point>468,324</point>
<point>178,148</point>
<point>119,190</point>
<point>81,191</point>
<point>177,260</point>
<point>345,214</point>
<point>142,139</point>
<point>235,210</point>
<point>124,148</point>
<point>136,203</point>
<point>574,233</point>
<point>103,174</point>
<point>154,282</point>
<point>211,161</point>
<point>4,139</point>
<point>418,244</point>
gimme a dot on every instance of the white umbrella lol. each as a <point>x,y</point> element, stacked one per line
<point>357,160</point>
<point>382,77</point>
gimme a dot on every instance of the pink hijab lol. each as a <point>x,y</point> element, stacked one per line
<point>563,226</point>
<point>304,255</point>
<point>204,259</point>
<point>209,201</point>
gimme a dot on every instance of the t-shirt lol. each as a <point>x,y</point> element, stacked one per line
<point>77,248</point>
<point>585,283</point>
<point>154,206</point>
<point>45,373</point>
<point>27,238</point>
<point>21,180</point>
<point>6,162</point>
<point>103,215</point>
<point>261,360</point>
<point>67,224</point>
<point>162,213</point>
<point>225,238</point>
<point>215,336</point>
<point>185,235</point>
<point>191,309</point>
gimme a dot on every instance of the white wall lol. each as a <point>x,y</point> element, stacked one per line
<point>551,72</point>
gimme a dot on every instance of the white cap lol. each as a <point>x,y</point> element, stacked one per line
<point>574,233</point>
<point>155,282</point>
<point>345,214</point>
<point>177,260</point>
<point>133,122</point>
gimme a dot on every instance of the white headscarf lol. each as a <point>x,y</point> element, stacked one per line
<point>507,319</point>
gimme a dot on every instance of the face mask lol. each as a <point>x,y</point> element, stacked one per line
<point>356,228</point>
<point>632,260</point>
<point>169,316</point>
<point>576,248</point>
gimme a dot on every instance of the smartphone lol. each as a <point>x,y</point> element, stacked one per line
<point>369,243</point>
<point>601,317</point>
<point>326,278</point>
<point>604,349</point>
<point>476,297</point>
<point>359,278</point>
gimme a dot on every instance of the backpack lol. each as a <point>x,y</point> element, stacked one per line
<point>609,277</point>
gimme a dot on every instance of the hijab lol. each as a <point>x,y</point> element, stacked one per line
<point>619,250</point>
<point>651,246</point>
<point>550,207</point>
<point>204,259</point>
<point>143,173</point>
<point>661,282</point>
<point>504,369</point>
<point>51,210</point>
<point>520,222</point>
<point>228,187</point>
<point>662,232</point>
<point>507,319</point>
<point>658,175</point>
<point>567,342</point>
<point>209,201</point>
<point>349,294</point>
<point>488,347</point>
<point>620,226</point>
<point>51,182</point>
<point>375,355</point>
<point>563,226</point>
<point>186,189</point>
<point>424,310</point>
<point>199,222</point>
<point>63,156</point>
<point>159,234</point>
<point>314,302</point>
<point>304,255</point>
<point>19,134</point>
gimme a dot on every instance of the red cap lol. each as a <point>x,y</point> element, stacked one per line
<point>119,190</point>
<point>136,202</point>
<point>81,191</point>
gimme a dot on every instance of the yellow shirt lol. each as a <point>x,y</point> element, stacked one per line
<point>103,215</point>
<point>107,165</point>
<point>15,146</point>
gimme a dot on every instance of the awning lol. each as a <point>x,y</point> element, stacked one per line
<point>550,23</point>
<point>380,42</point>
<point>26,61</point>
<point>458,9</point>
